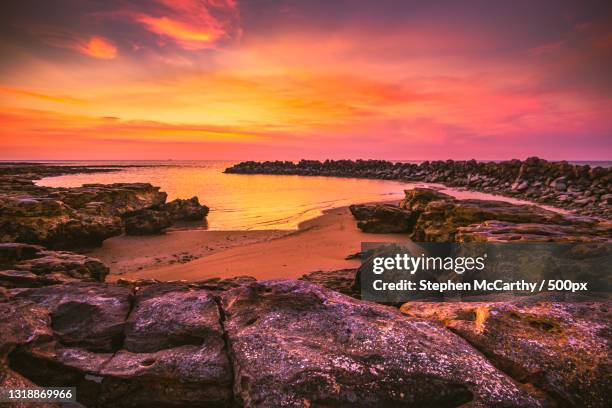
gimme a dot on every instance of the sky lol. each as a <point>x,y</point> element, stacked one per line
<point>316,79</point>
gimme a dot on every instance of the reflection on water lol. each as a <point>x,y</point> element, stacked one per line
<point>240,202</point>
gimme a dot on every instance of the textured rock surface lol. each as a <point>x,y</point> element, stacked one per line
<point>144,222</point>
<point>52,223</point>
<point>167,315</point>
<point>115,199</point>
<point>382,219</point>
<point>161,345</point>
<point>294,343</point>
<point>441,218</point>
<point>585,189</point>
<point>186,210</point>
<point>327,349</point>
<point>10,380</point>
<point>86,315</point>
<point>342,281</point>
<point>561,348</point>
<point>498,231</point>
<point>24,265</point>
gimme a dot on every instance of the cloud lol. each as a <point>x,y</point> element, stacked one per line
<point>98,47</point>
<point>45,97</point>
<point>191,24</point>
<point>94,46</point>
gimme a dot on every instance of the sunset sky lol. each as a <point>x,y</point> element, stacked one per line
<point>288,79</point>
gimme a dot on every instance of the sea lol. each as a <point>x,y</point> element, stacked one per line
<point>251,202</point>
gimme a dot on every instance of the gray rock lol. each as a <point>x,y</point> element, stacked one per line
<point>297,344</point>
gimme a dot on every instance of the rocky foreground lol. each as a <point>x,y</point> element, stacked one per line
<point>585,189</point>
<point>241,342</point>
<point>307,343</point>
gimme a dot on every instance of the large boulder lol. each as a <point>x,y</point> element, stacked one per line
<point>382,219</point>
<point>169,315</point>
<point>120,346</point>
<point>117,198</point>
<point>144,222</point>
<point>297,344</point>
<point>441,218</point>
<point>186,210</point>
<point>563,348</point>
<point>23,265</point>
<point>85,315</point>
<point>417,198</point>
<point>22,322</point>
<point>52,223</point>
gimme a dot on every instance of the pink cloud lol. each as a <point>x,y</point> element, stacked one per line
<point>191,24</point>
<point>94,46</point>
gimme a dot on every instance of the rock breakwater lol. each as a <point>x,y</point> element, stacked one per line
<point>585,189</point>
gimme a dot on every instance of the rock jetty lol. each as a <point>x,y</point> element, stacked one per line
<point>585,189</point>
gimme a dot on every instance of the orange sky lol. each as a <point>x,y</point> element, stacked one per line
<point>224,79</point>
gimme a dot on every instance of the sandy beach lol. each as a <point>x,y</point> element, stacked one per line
<point>322,243</point>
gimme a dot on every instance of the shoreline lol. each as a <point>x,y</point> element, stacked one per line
<point>320,244</point>
<point>194,253</point>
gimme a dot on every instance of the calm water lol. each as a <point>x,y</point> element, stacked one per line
<point>241,202</point>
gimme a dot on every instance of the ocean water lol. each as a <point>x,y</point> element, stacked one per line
<point>242,202</point>
<point>248,202</point>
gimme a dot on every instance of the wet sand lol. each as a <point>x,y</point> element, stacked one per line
<point>322,243</point>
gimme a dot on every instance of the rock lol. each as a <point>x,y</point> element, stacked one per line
<point>342,281</point>
<point>51,223</point>
<point>214,285</point>
<point>520,186</point>
<point>163,346</point>
<point>175,315</point>
<point>81,217</point>
<point>563,348</point>
<point>441,218</point>
<point>143,222</point>
<point>498,231</point>
<point>10,380</point>
<point>297,344</point>
<point>22,322</point>
<point>86,315</point>
<point>186,210</point>
<point>117,199</point>
<point>559,186</point>
<point>14,252</point>
<point>23,265</point>
<point>382,219</point>
<point>418,198</point>
<point>184,376</point>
